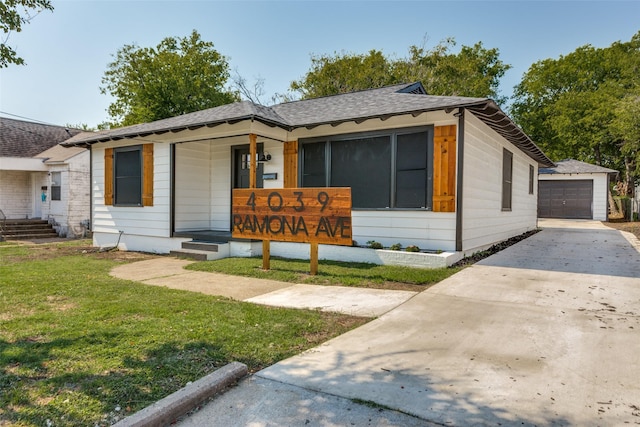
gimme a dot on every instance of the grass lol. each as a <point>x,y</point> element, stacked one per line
<point>330,273</point>
<point>79,347</point>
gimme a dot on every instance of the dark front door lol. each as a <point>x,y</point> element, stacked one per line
<point>242,167</point>
<point>565,199</point>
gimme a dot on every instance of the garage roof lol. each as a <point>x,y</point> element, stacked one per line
<point>571,166</point>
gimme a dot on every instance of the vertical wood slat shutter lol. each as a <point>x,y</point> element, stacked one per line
<point>108,176</point>
<point>444,168</point>
<point>147,175</point>
<point>290,164</point>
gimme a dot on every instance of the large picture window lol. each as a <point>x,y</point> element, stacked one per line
<point>388,170</point>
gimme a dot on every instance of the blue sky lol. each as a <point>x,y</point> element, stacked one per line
<point>67,51</point>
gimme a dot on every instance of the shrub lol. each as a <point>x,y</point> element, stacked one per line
<point>395,247</point>
<point>374,245</point>
<point>412,248</point>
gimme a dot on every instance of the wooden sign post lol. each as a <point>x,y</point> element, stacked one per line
<point>311,215</point>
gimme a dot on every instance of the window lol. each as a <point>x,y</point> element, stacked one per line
<point>56,183</point>
<point>507,175</point>
<point>531,178</point>
<point>128,173</point>
<point>412,171</point>
<point>365,166</point>
<point>391,170</point>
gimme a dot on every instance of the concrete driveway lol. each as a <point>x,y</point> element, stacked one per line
<point>547,332</point>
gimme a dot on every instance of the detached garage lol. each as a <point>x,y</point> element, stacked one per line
<point>574,190</point>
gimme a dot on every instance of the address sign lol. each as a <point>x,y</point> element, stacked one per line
<point>319,215</point>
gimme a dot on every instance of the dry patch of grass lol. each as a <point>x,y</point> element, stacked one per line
<point>631,227</point>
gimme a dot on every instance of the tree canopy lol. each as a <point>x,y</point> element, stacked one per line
<point>586,106</point>
<point>178,76</point>
<point>474,71</point>
<point>13,15</point>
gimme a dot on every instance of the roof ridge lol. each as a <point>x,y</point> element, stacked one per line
<point>400,85</point>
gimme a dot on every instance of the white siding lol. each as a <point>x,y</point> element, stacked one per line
<point>484,222</point>
<point>148,221</point>
<point>79,194</point>
<point>15,194</point>
<point>68,213</point>
<point>193,186</point>
<point>221,186</point>
<point>600,190</point>
<point>427,230</point>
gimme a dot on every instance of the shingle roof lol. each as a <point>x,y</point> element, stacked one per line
<point>20,138</point>
<point>355,106</point>
<point>571,166</point>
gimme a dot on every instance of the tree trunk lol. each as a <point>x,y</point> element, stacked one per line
<point>613,208</point>
<point>628,176</point>
<point>598,155</point>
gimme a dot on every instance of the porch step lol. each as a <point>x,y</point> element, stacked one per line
<point>202,251</point>
<point>26,229</point>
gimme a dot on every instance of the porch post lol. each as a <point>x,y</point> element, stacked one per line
<point>253,150</point>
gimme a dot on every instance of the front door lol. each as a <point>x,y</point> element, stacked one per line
<point>242,167</point>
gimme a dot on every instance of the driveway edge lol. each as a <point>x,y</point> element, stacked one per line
<point>168,410</point>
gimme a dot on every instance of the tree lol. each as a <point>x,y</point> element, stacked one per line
<point>13,15</point>
<point>474,71</point>
<point>179,76</point>
<point>332,75</point>
<point>585,106</point>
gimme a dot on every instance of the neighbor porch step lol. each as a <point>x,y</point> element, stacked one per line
<point>26,229</point>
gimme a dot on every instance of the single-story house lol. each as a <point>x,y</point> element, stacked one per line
<point>451,175</point>
<point>39,178</point>
<point>575,190</point>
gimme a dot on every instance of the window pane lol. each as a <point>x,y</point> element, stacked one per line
<point>412,151</point>
<point>313,165</point>
<point>128,177</point>
<point>507,172</point>
<point>364,165</point>
<point>531,178</point>
<point>411,170</point>
<point>410,189</point>
<point>56,182</point>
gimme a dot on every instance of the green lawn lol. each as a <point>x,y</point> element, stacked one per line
<point>330,273</point>
<point>81,348</point>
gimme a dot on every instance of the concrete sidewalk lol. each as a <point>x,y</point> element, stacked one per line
<point>543,333</point>
<point>170,272</point>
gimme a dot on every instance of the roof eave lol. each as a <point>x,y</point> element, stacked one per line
<point>385,116</point>
<point>174,129</point>
<point>491,114</point>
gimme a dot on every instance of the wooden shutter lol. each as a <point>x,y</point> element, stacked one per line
<point>290,164</point>
<point>444,168</point>
<point>108,176</point>
<point>147,175</point>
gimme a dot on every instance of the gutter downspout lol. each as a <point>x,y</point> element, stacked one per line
<point>460,174</point>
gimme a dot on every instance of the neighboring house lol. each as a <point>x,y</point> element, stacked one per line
<point>447,174</point>
<point>575,190</point>
<point>41,179</point>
